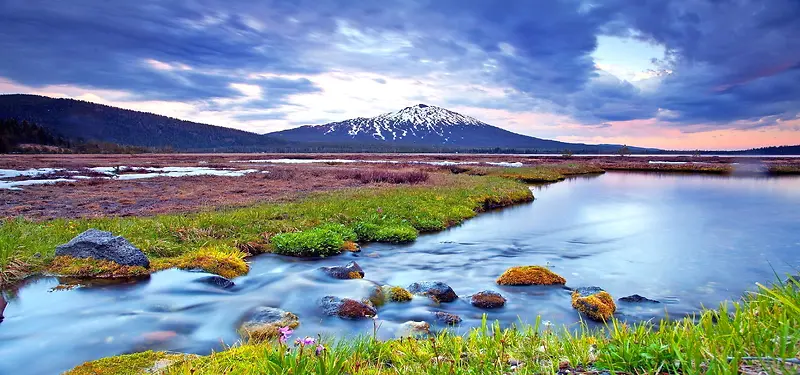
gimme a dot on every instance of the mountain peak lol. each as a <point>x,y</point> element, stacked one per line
<point>426,116</point>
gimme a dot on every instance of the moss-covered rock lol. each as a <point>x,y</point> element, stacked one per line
<point>594,303</point>
<point>530,275</point>
<point>68,266</point>
<point>397,294</point>
<point>263,323</point>
<point>487,299</point>
<point>223,260</point>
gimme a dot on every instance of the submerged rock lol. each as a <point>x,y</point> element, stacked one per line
<point>397,294</point>
<point>436,290</point>
<point>217,281</point>
<point>447,318</point>
<point>530,275</point>
<point>102,245</point>
<point>263,323</point>
<point>593,302</point>
<point>346,308</point>
<point>377,297</point>
<point>413,329</point>
<point>488,299</point>
<point>349,271</point>
<point>637,299</point>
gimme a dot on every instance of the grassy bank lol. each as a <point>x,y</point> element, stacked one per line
<point>539,173</point>
<point>722,341</point>
<point>218,241</point>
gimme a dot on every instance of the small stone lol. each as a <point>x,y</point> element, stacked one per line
<point>487,299</point>
<point>349,271</point>
<point>447,318</point>
<point>637,299</point>
<point>217,281</point>
<point>102,245</point>
<point>436,290</point>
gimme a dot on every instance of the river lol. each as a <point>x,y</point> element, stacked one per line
<point>686,240</point>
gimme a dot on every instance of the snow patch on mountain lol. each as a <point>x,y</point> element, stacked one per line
<point>415,121</point>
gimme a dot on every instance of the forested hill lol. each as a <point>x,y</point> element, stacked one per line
<point>84,121</point>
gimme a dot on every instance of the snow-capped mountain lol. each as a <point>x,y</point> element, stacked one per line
<point>422,125</point>
<point>414,123</point>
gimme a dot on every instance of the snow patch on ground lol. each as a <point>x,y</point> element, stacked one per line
<point>113,173</point>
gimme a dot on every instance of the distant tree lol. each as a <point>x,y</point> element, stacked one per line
<point>567,153</point>
<point>697,153</point>
<point>624,151</point>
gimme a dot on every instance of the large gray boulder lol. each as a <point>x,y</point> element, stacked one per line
<point>98,244</point>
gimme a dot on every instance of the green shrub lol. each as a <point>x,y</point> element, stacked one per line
<point>346,233</point>
<point>366,231</point>
<point>318,241</point>
<point>396,233</point>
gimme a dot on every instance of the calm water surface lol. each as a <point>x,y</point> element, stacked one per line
<point>687,240</point>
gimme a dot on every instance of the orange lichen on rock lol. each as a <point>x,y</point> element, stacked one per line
<point>598,306</point>
<point>351,247</point>
<point>355,275</point>
<point>530,275</point>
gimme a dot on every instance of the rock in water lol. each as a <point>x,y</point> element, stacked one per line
<point>413,329</point>
<point>217,281</point>
<point>447,318</point>
<point>637,299</point>
<point>593,302</point>
<point>436,290</point>
<point>487,299</point>
<point>349,271</point>
<point>263,323</point>
<point>98,244</point>
<point>346,308</point>
<point>530,275</point>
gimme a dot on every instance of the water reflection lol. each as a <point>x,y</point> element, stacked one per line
<point>685,240</point>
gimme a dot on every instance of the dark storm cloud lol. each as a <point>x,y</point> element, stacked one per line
<point>730,60</point>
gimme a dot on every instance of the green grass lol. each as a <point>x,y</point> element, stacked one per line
<point>763,324</point>
<point>318,224</point>
<point>539,173</point>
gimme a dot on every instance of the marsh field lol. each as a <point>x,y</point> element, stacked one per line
<point>402,264</point>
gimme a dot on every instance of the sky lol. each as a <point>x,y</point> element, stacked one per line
<point>673,74</point>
